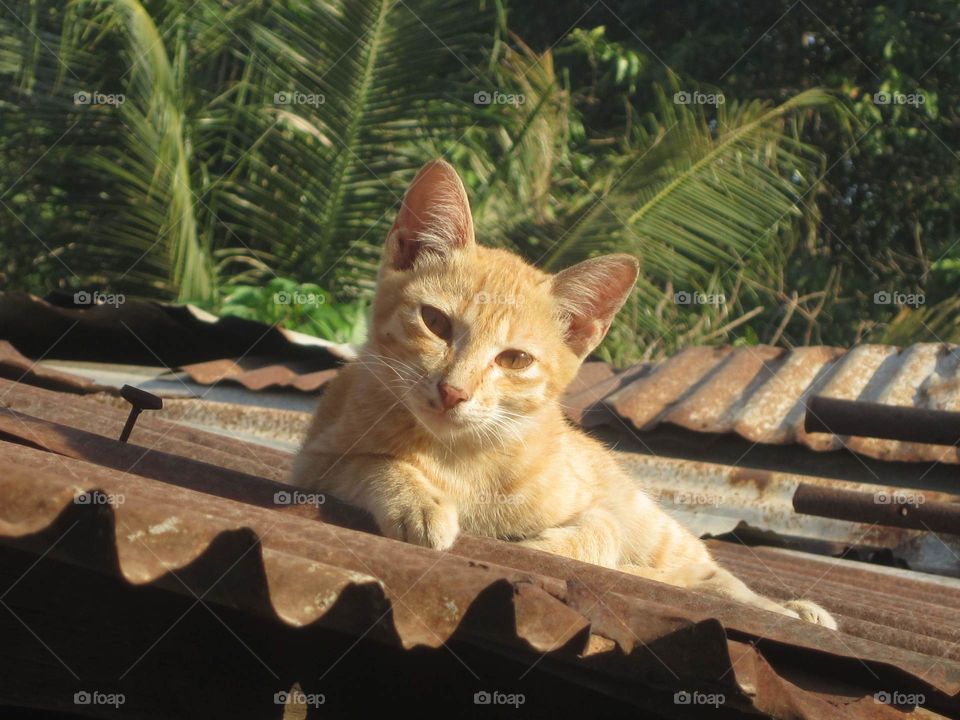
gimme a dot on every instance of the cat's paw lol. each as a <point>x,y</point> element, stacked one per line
<point>811,612</point>
<point>430,519</point>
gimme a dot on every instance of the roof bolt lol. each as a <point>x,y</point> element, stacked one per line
<point>140,400</point>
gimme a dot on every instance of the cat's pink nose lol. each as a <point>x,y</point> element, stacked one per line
<point>451,396</point>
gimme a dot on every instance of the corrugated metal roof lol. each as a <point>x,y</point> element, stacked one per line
<point>757,392</point>
<point>15,366</point>
<point>137,331</point>
<point>260,374</point>
<point>187,494</point>
<point>760,392</point>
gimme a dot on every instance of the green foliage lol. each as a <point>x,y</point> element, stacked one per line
<point>258,140</point>
<point>304,307</point>
<point>250,136</point>
<point>886,209</point>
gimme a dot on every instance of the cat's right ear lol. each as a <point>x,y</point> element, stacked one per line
<point>434,217</point>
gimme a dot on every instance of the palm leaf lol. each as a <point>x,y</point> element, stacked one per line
<point>202,162</point>
<point>699,196</point>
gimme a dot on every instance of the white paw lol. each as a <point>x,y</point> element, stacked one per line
<point>811,612</point>
<point>430,520</point>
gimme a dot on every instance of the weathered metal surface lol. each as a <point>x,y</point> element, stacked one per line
<point>149,333</point>
<point>644,400</point>
<point>714,499</point>
<point>906,508</point>
<point>708,498</point>
<point>595,381</point>
<point>893,609</point>
<point>15,366</point>
<point>760,393</point>
<point>260,374</point>
<point>277,427</point>
<point>160,527</point>
<point>194,503</point>
<point>552,604</point>
<point>155,434</point>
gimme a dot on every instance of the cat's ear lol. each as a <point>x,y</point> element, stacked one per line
<point>590,294</point>
<point>434,217</point>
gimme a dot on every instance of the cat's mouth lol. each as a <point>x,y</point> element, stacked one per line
<point>453,416</point>
<point>435,418</point>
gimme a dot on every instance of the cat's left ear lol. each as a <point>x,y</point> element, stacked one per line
<point>590,294</point>
<point>434,217</point>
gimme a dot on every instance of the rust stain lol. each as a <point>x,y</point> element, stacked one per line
<point>741,477</point>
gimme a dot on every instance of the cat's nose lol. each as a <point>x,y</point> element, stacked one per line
<point>451,396</point>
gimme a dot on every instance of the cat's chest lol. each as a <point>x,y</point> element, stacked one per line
<point>494,499</point>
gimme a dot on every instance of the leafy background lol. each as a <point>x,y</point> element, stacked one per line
<point>796,200</point>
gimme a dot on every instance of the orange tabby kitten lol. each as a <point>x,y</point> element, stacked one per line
<point>450,419</point>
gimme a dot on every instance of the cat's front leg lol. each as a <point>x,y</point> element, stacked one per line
<point>408,507</point>
<point>402,500</point>
<point>593,536</point>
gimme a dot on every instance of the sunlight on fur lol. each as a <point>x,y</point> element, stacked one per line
<point>451,420</point>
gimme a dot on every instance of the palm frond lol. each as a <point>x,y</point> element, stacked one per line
<point>744,173</point>
<point>286,130</point>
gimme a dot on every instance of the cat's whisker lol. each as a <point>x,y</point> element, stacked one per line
<point>377,362</point>
<point>384,362</point>
<point>393,362</point>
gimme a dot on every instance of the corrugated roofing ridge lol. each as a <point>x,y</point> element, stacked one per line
<point>696,609</point>
<point>160,519</point>
<point>258,376</point>
<point>160,435</point>
<point>759,392</point>
<point>16,366</point>
<point>549,616</point>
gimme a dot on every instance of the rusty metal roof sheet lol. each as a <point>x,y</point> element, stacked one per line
<point>756,392</point>
<point>188,497</point>
<point>15,366</point>
<point>759,392</point>
<point>148,332</point>
<point>256,373</point>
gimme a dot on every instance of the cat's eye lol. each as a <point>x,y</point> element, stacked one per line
<point>514,359</point>
<point>436,322</point>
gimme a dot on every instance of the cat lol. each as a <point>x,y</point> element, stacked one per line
<point>450,419</point>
